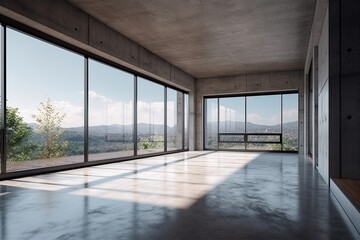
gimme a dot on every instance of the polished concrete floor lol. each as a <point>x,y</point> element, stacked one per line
<point>192,195</point>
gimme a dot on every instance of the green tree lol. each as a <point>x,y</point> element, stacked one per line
<point>152,142</point>
<point>18,133</point>
<point>49,130</point>
<point>287,145</point>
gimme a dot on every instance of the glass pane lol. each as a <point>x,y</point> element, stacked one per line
<point>290,122</point>
<point>232,115</point>
<point>264,114</point>
<point>150,117</point>
<point>186,112</point>
<point>211,123</point>
<point>111,101</point>
<point>45,104</point>
<point>232,120</point>
<point>175,119</point>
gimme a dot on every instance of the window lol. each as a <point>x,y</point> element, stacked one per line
<point>150,117</point>
<point>290,122</point>
<point>186,119</point>
<point>211,123</point>
<point>261,122</point>
<point>111,103</point>
<point>63,108</point>
<point>232,123</point>
<point>175,119</point>
<point>45,104</point>
<point>263,116</point>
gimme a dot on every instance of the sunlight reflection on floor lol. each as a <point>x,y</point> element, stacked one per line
<point>4,193</point>
<point>176,180</point>
<point>176,185</point>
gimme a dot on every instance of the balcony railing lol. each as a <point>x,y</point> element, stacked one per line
<point>250,138</point>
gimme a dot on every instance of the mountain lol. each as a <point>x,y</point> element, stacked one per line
<point>113,128</point>
<point>144,128</point>
<point>292,126</point>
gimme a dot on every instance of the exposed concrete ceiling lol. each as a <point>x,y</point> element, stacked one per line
<point>210,38</point>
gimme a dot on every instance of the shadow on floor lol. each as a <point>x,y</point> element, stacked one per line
<point>267,196</point>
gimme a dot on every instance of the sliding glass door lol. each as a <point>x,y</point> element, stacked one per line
<point>44,104</point>
<point>174,119</point>
<point>111,112</point>
<point>232,123</point>
<point>59,107</point>
<point>290,122</point>
<point>150,117</point>
<point>263,122</point>
<point>211,123</point>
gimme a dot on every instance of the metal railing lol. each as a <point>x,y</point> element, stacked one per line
<point>247,138</point>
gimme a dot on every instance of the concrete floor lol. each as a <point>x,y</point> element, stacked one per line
<point>192,195</point>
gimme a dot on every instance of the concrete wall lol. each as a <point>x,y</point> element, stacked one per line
<point>192,120</point>
<point>249,83</point>
<point>179,119</point>
<point>339,87</point>
<point>317,56</point>
<point>316,29</point>
<point>312,58</point>
<point>349,89</point>
<point>334,88</point>
<point>338,91</point>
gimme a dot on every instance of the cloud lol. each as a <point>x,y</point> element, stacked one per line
<point>104,99</point>
<point>264,120</point>
<point>105,111</point>
<point>229,114</point>
<point>26,114</point>
<point>74,114</point>
<point>290,115</point>
<point>172,113</point>
<point>152,112</point>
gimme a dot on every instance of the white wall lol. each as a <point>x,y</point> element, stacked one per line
<point>323,94</point>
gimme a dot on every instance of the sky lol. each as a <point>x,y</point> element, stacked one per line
<point>37,70</point>
<point>262,110</point>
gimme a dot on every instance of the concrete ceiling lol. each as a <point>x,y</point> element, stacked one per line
<point>211,38</point>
